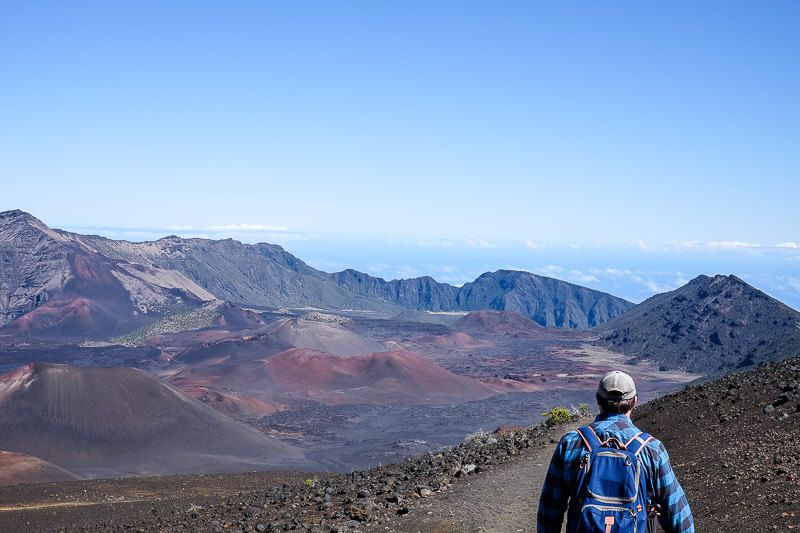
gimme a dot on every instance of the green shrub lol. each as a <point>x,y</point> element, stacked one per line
<point>582,410</point>
<point>556,416</point>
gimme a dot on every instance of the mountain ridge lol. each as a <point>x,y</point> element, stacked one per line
<point>267,275</point>
<point>528,294</point>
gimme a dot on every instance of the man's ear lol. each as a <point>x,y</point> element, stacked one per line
<point>633,404</point>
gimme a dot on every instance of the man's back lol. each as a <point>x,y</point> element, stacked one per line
<point>662,486</point>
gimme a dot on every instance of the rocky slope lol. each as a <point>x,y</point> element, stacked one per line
<point>117,421</point>
<point>53,286</point>
<point>734,445</point>
<point>711,324</point>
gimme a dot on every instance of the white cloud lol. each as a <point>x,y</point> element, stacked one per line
<point>248,227</point>
<point>614,272</point>
<point>794,283</point>
<point>731,245</point>
<point>720,245</point>
<point>656,287</point>
<point>430,243</point>
<point>406,272</point>
<point>535,245</point>
<point>641,244</point>
<point>226,228</point>
<point>789,245</point>
<point>480,243</point>
<point>550,270</point>
<point>582,277</point>
<point>377,267</point>
<point>177,228</point>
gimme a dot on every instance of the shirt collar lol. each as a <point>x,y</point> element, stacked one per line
<point>613,417</point>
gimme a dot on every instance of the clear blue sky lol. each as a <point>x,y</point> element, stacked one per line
<point>503,127</point>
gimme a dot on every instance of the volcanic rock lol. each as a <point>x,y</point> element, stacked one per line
<point>709,325</point>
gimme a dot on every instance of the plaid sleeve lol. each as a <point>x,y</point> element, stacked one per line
<point>676,516</point>
<point>555,493</point>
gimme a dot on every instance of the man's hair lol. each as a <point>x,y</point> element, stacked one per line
<point>614,407</point>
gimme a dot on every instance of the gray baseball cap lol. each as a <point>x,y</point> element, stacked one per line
<point>616,386</point>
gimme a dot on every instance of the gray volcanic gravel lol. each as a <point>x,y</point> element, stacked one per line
<point>332,503</point>
<point>350,437</point>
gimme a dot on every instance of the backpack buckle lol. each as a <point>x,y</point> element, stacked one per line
<point>584,461</point>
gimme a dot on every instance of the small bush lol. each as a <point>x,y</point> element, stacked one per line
<point>556,416</point>
<point>582,410</point>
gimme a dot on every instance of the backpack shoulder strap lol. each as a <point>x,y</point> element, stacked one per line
<point>590,438</point>
<point>638,442</point>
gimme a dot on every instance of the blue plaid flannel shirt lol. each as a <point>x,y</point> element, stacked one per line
<point>663,487</point>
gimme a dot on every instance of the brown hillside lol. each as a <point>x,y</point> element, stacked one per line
<point>18,468</point>
<point>735,447</point>
<point>117,421</point>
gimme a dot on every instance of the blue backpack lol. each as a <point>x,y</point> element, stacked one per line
<point>611,493</point>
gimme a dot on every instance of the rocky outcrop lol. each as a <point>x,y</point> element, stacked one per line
<point>711,324</point>
<point>52,285</point>
<point>33,266</point>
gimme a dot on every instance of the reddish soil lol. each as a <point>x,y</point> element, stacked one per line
<point>238,407</point>
<point>20,468</point>
<point>391,377</point>
<point>493,322</point>
<point>64,315</point>
<point>458,340</point>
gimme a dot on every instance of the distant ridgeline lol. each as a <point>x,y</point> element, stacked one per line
<point>59,283</point>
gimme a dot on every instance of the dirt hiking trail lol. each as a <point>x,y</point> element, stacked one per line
<point>501,500</point>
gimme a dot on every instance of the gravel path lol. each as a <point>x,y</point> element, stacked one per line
<point>503,500</point>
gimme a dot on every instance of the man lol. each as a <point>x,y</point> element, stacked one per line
<point>616,397</point>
